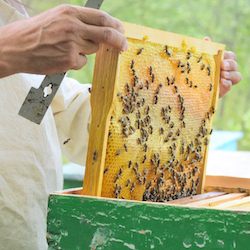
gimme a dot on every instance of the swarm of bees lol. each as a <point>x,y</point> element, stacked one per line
<point>161,124</point>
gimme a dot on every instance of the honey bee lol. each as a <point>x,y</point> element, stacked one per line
<point>199,60</point>
<point>66,141</point>
<point>119,175</point>
<point>168,119</point>
<point>147,84</point>
<point>139,140</point>
<point>124,132</point>
<point>170,134</point>
<point>188,71</point>
<point>173,80</point>
<point>128,119</point>
<point>150,70</point>
<point>110,133</point>
<point>169,188</point>
<point>137,165</point>
<point>166,139</point>
<point>190,174</point>
<point>156,99</point>
<point>133,71</point>
<point>95,155</point>
<point>182,150</point>
<point>153,78</point>
<point>167,51</point>
<point>171,125</point>
<point>158,91</point>
<point>150,129</point>
<point>163,166</point>
<point>211,131</point>
<point>138,114</point>
<point>191,84</point>
<point>187,81</point>
<point>125,111</point>
<point>182,167</point>
<point>203,66</point>
<point>135,80</point>
<point>132,64</point>
<point>140,51</point>
<point>197,181</point>
<point>211,87</point>
<point>209,70</point>
<point>129,164</point>
<point>196,86</point>
<point>144,158</point>
<point>169,108</point>
<point>183,71</point>
<point>135,170</point>
<point>153,161</point>
<point>106,170</point>
<point>176,89</point>
<point>90,89</point>
<point>119,152</point>
<point>183,124</point>
<point>127,87</point>
<point>168,80</point>
<point>132,187</point>
<point>145,147</point>
<point>179,64</point>
<point>208,115</point>
<point>125,147</point>
<point>174,182</point>
<point>178,132</point>
<point>128,182</point>
<point>213,109</point>
<point>161,131</point>
<point>206,141</point>
<point>177,163</point>
<point>189,55</point>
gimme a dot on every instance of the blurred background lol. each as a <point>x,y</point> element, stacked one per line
<point>223,21</point>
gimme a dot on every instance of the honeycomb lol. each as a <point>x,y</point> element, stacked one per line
<point>161,122</point>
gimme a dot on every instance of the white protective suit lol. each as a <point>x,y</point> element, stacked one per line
<point>31,154</point>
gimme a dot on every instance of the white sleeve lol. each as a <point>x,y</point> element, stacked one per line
<point>72,113</point>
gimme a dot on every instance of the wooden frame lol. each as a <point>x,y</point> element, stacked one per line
<point>104,91</point>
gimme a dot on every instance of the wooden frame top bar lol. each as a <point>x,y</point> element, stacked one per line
<point>159,36</point>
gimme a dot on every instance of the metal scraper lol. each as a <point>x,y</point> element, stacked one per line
<point>38,100</point>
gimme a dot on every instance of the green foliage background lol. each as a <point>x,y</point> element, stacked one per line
<point>223,21</point>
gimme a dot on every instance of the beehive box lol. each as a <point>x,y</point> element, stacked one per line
<point>152,112</point>
<point>218,219</point>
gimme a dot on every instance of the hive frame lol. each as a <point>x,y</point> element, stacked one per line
<point>105,78</point>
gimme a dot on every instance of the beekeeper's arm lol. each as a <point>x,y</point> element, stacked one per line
<point>57,40</point>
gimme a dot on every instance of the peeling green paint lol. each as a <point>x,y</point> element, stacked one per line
<point>95,223</point>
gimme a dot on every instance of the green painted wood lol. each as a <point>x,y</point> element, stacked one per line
<point>78,222</point>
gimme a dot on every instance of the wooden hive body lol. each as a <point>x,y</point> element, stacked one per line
<point>130,92</point>
<point>218,219</point>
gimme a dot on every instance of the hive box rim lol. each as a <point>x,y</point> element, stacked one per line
<point>70,192</point>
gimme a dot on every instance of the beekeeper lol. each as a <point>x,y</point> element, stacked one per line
<point>31,155</point>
